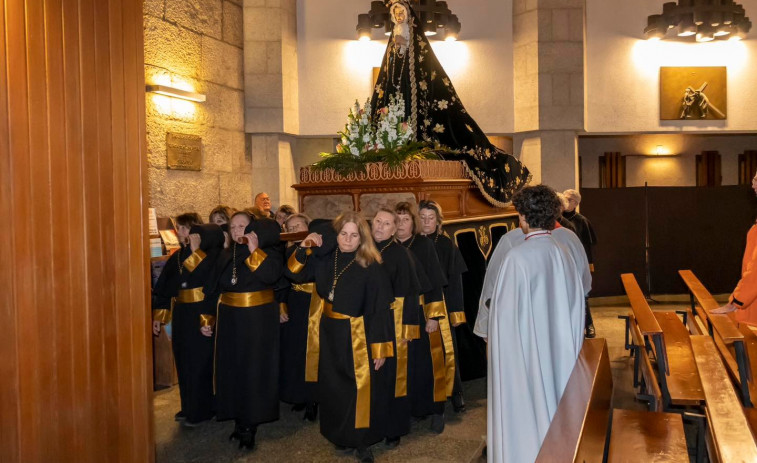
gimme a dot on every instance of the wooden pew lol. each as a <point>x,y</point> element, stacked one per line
<point>729,437</point>
<point>734,344</point>
<point>647,436</point>
<point>649,388</point>
<point>580,429</point>
<point>677,372</point>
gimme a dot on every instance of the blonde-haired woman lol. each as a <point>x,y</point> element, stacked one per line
<point>355,333</point>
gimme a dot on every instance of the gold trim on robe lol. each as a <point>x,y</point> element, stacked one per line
<point>255,259</point>
<point>411,332</point>
<point>252,299</point>
<point>194,260</point>
<point>362,373</point>
<point>382,350</point>
<point>190,296</point>
<point>456,318</point>
<point>294,265</point>
<point>207,320</point>
<point>437,362</point>
<point>313,350</point>
<point>449,351</point>
<point>437,358</point>
<point>400,383</point>
<point>161,315</point>
<point>434,309</point>
<point>361,363</point>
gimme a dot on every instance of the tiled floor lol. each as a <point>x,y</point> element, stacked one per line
<point>291,440</point>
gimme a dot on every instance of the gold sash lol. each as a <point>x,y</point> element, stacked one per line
<point>437,351</point>
<point>400,384</point>
<point>361,363</point>
<point>449,351</point>
<point>313,352</point>
<point>189,296</point>
<point>252,299</point>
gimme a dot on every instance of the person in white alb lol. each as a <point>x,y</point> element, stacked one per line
<point>535,331</point>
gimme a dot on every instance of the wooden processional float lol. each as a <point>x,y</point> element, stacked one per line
<point>468,217</point>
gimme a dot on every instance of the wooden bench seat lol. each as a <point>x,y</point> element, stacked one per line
<point>730,437</point>
<point>669,339</point>
<point>580,430</point>
<point>647,436</point>
<point>579,427</point>
<point>683,382</point>
<point>737,345</point>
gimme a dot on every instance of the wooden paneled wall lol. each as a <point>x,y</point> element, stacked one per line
<point>75,347</point>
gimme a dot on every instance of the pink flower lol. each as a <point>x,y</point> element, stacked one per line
<point>404,126</point>
<point>339,147</point>
<point>384,110</point>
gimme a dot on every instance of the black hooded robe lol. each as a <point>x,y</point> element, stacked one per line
<point>400,268</point>
<point>351,394</point>
<point>191,273</point>
<point>427,371</point>
<point>247,338</point>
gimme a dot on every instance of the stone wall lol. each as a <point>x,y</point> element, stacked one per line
<point>197,45</point>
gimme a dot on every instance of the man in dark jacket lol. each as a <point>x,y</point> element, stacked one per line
<point>588,239</point>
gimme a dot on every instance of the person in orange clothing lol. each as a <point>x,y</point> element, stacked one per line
<point>744,297</point>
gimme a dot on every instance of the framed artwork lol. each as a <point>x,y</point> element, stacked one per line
<point>693,93</point>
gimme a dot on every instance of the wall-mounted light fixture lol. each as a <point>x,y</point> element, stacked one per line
<point>175,92</point>
<point>659,151</point>
<point>434,15</point>
<point>705,20</point>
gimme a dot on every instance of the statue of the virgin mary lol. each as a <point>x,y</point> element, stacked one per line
<point>435,112</point>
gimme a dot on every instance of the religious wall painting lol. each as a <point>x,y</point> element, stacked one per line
<point>693,93</point>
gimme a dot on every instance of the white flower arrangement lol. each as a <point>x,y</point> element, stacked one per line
<point>389,139</point>
<point>390,132</point>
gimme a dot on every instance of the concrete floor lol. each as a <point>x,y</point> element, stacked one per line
<point>290,439</point>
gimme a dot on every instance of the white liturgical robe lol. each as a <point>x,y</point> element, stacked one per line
<point>535,332</point>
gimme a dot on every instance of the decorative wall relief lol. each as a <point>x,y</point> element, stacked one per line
<point>693,93</point>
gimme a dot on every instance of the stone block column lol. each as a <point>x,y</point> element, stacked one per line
<point>548,67</point>
<point>271,95</point>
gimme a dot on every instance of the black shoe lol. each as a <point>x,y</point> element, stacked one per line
<point>237,434</point>
<point>311,412</point>
<point>437,423</point>
<point>179,416</point>
<point>343,449</point>
<point>298,407</point>
<point>364,455</point>
<point>483,452</point>
<point>392,442</point>
<point>591,332</point>
<point>458,404</point>
<point>247,438</point>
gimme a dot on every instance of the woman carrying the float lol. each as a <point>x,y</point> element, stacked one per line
<point>247,328</point>
<point>295,386</point>
<point>355,334</point>
<point>180,292</point>
<point>453,267</point>
<point>428,370</point>
<point>398,264</point>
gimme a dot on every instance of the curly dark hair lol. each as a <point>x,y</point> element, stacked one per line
<point>188,219</point>
<point>539,205</point>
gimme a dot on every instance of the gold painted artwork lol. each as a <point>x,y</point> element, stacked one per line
<point>693,93</point>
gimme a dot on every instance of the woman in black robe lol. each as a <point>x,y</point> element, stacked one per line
<point>400,268</point>
<point>451,259</point>
<point>300,304</point>
<point>434,111</point>
<point>432,356</point>
<point>355,327</point>
<point>247,328</point>
<point>179,296</point>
